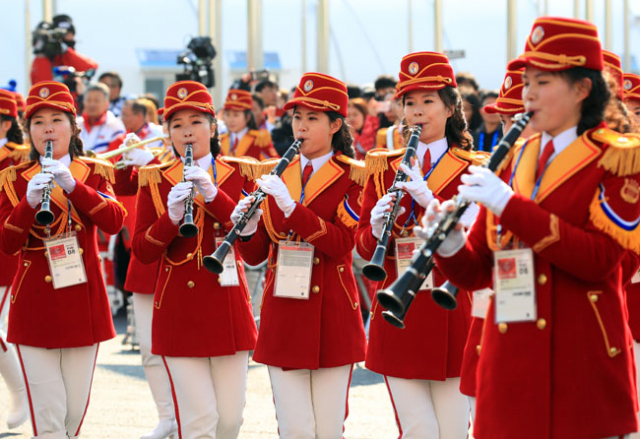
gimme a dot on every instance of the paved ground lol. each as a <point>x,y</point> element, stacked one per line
<point>121,405</point>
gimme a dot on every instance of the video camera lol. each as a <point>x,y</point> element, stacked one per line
<point>48,38</point>
<point>197,61</point>
<point>67,75</point>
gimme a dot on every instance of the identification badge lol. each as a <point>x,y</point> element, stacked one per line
<point>65,261</point>
<point>514,286</point>
<point>293,275</point>
<point>636,278</point>
<point>481,300</point>
<point>229,275</point>
<point>404,256</point>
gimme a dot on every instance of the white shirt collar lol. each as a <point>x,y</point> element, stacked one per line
<point>3,142</point>
<point>202,162</point>
<point>436,149</point>
<point>239,135</point>
<point>560,142</point>
<point>317,163</point>
<point>66,160</point>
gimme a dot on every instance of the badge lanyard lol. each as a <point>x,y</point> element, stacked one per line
<point>301,200</point>
<point>535,188</point>
<point>494,140</point>
<point>412,216</point>
<point>215,172</point>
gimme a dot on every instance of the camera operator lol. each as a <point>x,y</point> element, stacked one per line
<point>54,46</point>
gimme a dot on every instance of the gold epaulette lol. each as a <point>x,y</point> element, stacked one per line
<point>474,157</point>
<point>264,167</point>
<point>19,153</point>
<point>151,173</point>
<point>377,159</point>
<point>357,172</point>
<point>623,155</point>
<point>246,164</point>
<point>8,176</point>
<point>262,137</point>
<point>381,138</point>
<point>101,167</point>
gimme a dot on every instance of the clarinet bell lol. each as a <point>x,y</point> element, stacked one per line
<point>446,296</point>
<point>397,321</point>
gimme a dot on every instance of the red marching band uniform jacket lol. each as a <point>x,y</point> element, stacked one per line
<point>10,154</point>
<point>194,316</point>
<point>570,373</point>
<point>431,345</point>
<point>326,330</point>
<point>255,143</point>
<point>73,316</point>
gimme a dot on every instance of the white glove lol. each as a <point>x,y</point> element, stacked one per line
<point>202,180</point>
<point>469,216</point>
<point>483,186</point>
<point>435,213</point>
<point>252,225</point>
<point>61,174</point>
<point>417,187</point>
<point>274,186</point>
<point>35,187</point>
<point>175,200</point>
<point>137,157</point>
<point>383,205</point>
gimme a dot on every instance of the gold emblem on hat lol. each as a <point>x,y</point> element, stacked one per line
<point>627,84</point>
<point>308,85</point>
<point>630,191</point>
<point>413,68</point>
<point>507,83</point>
<point>182,92</point>
<point>234,97</point>
<point>44,93</point>
<point>537,35</point>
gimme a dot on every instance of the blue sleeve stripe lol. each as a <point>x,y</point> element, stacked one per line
<point>629,226</point>
<point>349,210</point>
<point>108,197</point>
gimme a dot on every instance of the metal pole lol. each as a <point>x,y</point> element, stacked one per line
<point>254,27</point>
<point>512,28</point>
<point>589,10</point>
<point>607,24</point>
<point>202,17</point>
<point>410,25</point>
<point>27,45</point>
<point>303,41</point>
<point>627,47</point>
<point>47,10</point>
<point>437,25</point>
<point>576,8</point>
<point>323,36</point>
<point>215,32</point>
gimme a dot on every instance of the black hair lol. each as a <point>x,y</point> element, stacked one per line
<point>466,78</point>
<point>76,147</point>
<point>265,83</point>
<point>214,143</point>
<point>488,94</point>
<point>251,121</point>
<point>112,75</point>
<point>15,133</point>
<point>476,118</point>
<point>137,106</point>
<point>455,130</point>
<point>384,81</point>
<point>258,100</point>
<point>354,91</point>
<point>342,140</point>
<point>593,106</point>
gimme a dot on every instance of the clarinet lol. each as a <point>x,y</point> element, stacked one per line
<point>374,270</point>
<point>44,216</point>
<point>395,298</point>
<point>188,228</point>
<point>214,261</point>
